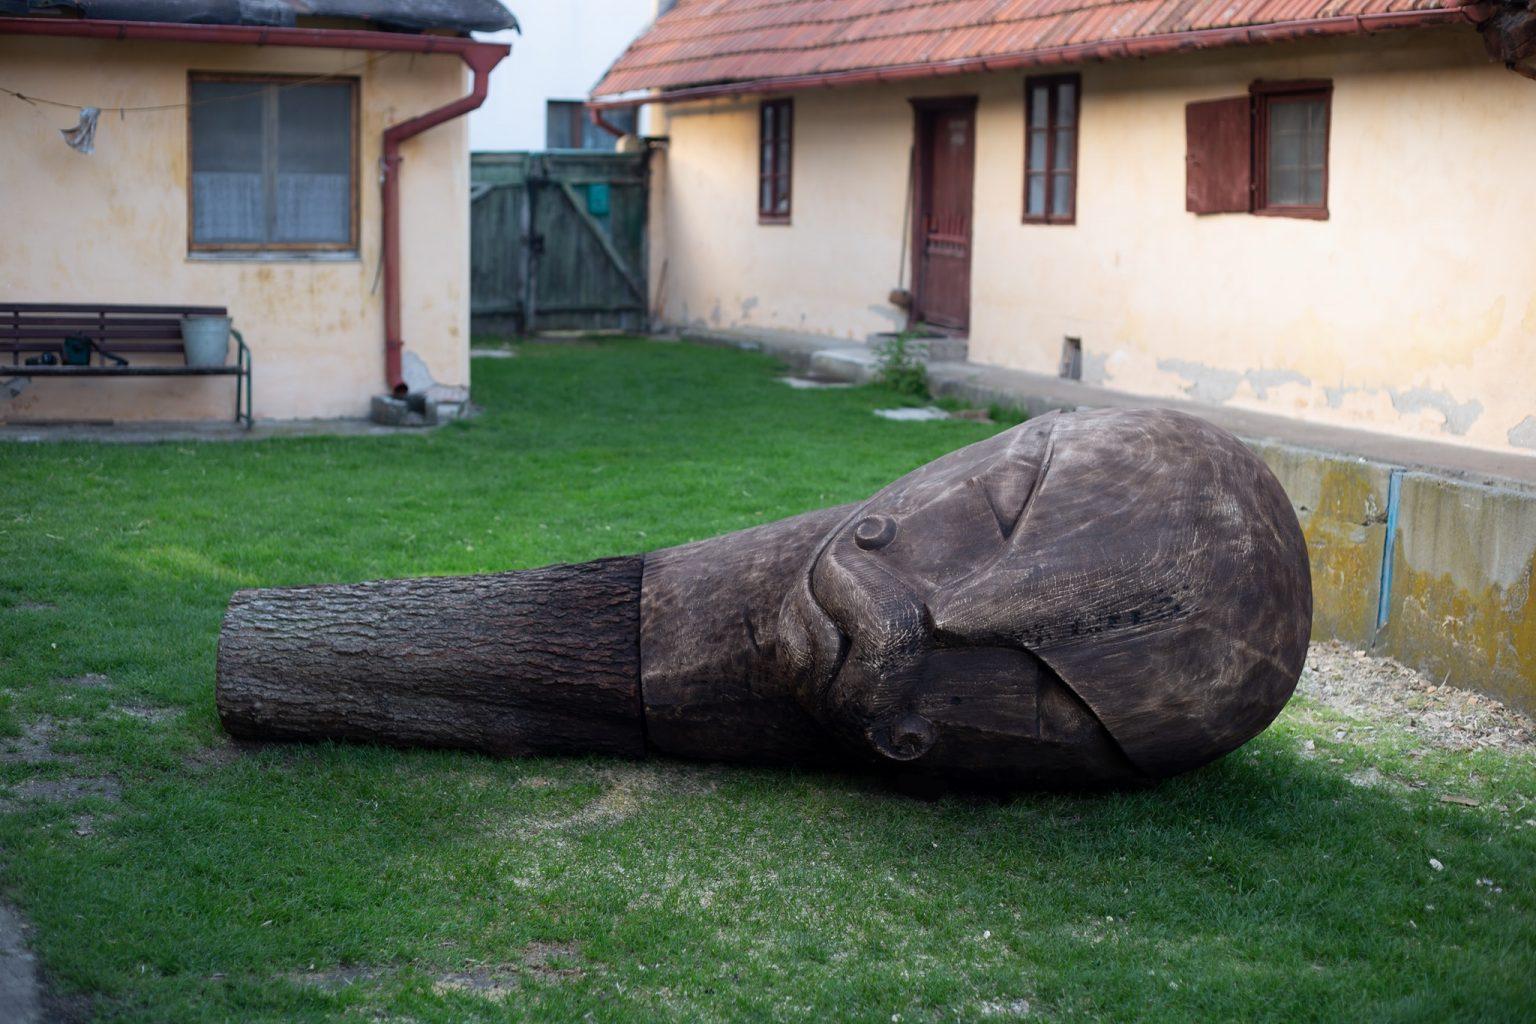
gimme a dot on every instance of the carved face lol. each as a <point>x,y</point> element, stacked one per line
<point>1088,597</point>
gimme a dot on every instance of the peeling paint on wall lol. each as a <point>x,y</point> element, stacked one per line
<point>1523,434</point>
<point>1095,368</point>
<point>1262,380</point>
<point>1217,386</point>
<point>1205,383</point>
<point>1459,416</point>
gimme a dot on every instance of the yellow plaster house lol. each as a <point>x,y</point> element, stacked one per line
<point>1292,207</point>
<point>237,161</point>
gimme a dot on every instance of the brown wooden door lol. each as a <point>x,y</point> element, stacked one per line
<point>946,158</point>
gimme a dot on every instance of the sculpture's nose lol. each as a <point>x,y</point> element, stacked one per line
<point>904,737</point>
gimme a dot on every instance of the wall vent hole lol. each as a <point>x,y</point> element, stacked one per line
<point>1071,359</point>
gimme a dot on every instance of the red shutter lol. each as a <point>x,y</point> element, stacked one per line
<point>1217,161</point>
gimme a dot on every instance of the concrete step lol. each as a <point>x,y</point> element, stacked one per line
<point>933,348</point>
<point>854,363</point>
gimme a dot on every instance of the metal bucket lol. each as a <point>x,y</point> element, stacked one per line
<point>206,339</point>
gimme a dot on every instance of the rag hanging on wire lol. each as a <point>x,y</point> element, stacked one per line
<point>82,137</point>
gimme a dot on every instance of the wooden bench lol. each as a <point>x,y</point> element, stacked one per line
<point>116,335</point>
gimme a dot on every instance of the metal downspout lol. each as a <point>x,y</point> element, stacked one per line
<point>481,60</point>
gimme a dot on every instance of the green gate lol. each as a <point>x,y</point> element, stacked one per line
<point>557,241</point>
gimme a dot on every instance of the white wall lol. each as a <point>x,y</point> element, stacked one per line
<point>1411,310</point>
<point>565,47</point>
<point>112,227</point>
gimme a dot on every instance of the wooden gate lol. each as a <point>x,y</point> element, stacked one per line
<point>557,241</point>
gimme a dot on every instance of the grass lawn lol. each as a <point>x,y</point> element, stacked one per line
<point>188,880</point>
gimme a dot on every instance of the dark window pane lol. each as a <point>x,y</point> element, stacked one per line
<point>1037,150</point>
<point>627,119</point>
<point>1312,192</point>
<point>1062,159</point>
<point>1039,106</point>
<point>226,126</point>
<point>229,197</point>
<point>1061,195</point>
<point>314,164</point>
<point>1297,151</point>
<point>1050,152</point>
<point>1066,104</point>
<point>1285,186</point>
<point>271,162</point>
<point>775,130</point>
<point>558,119</point>
<point>1036,204</point>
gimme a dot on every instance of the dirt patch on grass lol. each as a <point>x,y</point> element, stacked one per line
<point>552,959</point>
<point>336,978</point>
<point>145,713</point>
<point>1383,692</point>
<point>547,961</point>
<point>89,681</point>
<point>55,791</point>
<point>33,746</point>
<point>220,755</point>
<point>629,788</point>
<point>493,983</point>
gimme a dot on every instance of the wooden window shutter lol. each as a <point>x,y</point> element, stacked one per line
<point>1218,156</point>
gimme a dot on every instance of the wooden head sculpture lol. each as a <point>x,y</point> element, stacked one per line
<point>1086,599</point>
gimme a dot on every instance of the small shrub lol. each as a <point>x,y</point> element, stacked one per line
<point>1008,415</point>
<point>901,365</point>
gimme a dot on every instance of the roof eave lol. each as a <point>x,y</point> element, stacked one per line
<point>1077,53</point>
<point>247,35</point>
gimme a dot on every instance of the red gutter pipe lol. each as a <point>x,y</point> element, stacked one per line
<point>1142,46</point>
<point>481,58</point>
<point>596,114</point>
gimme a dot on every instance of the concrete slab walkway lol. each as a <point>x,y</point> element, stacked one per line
<point>1038,393</point>
<point>21,999</point>
<point>153,431</point>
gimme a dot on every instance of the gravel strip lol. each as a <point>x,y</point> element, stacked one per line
<point>1384,692</point>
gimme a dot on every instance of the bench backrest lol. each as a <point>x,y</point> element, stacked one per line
<point>42,326</point>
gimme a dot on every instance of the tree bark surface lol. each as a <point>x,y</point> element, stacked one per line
<point>543,661</point>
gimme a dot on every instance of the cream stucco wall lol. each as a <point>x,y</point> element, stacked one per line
<point>112,227</point>
<point>1412,309</point>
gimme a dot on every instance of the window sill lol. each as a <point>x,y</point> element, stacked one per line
<point>273,256</point>
<point>1298,212</point>
<point>1051,220</point>
<point>779,222</point>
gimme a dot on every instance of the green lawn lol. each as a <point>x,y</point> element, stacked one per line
<point>355,884</point>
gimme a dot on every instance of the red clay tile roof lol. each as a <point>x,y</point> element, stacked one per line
<point>711,46</point>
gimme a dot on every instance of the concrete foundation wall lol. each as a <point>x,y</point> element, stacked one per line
<point>1460,605</point>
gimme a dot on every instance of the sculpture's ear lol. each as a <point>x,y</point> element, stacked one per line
<point>1008,483</point>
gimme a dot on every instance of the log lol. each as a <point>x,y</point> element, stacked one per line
<point>543,661</point>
